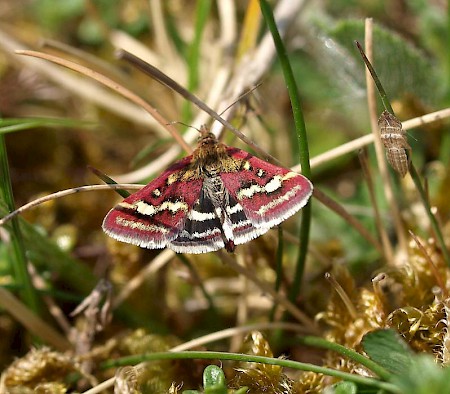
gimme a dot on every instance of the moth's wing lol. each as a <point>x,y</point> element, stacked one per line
<point>201,231</point>
<point>268,194</point>
<point>155,215</point>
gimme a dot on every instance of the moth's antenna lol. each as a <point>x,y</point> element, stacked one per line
<point>247,93</point>
<point>170,83</point>
<point>184,124</point>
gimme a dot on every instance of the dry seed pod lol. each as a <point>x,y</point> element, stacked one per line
<point>395,143</point>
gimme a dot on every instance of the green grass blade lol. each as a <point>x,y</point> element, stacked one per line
<point>109,181</point>
<point>19,258</point>
<point>350,353</point>
<point>17,124</point>
<point>302,143</point>
<point>202,12</point>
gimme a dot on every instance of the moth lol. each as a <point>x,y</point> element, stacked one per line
<point>218,197</point>
<point>395,143</point>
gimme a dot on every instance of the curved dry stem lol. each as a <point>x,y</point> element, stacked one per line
<point>82,87</point>
<point>229,332</point>
<point>114,86</point>
<point>83,55</point>
<point>168,157</point>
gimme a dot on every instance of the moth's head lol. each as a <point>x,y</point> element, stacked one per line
<point>206,137</point>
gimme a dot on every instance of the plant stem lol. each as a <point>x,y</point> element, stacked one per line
<point>302,143</point>
<point>252,359</point>
<point>350,353</point>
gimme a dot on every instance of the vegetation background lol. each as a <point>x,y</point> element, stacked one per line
<point>55,123</point>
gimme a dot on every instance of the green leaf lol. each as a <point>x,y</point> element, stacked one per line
<point>424,377</point>
<point>214,380</point>
<point>404,70</point>
<point>242,390</point>
<point>388,349</point>
<point>345,388</point>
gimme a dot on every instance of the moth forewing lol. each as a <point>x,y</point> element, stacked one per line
<point>395,143</point>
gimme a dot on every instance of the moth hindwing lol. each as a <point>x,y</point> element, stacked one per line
<point>218,197</point>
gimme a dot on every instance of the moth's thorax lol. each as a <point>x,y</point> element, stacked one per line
<point>211,158</point>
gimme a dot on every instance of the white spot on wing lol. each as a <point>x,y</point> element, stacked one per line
<point>279,200</point>
<point>234,209</point>
<point>136,225</point>
<point>149,210</point>
<point>274,184</point>
<point>248,192</point>
<point>289,175</point>
<point>126,205</point>
<point>249,234</point>
<point>206,235</point>
<point>227,227</point>
<point>145,209</point>
<point>197,248</point>
<point>159,239</point>
<point>200,216</point>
